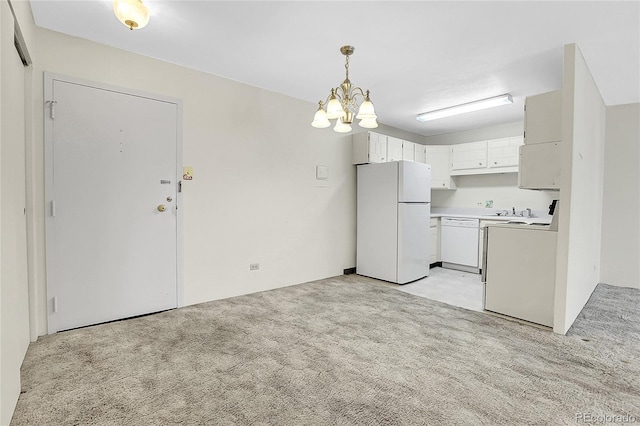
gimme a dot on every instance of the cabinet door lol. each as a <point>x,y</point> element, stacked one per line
<point>472,155</point>
<point>438,157</point>
<point>377,148</point>
<point>420,153</point>
<point>543,118</point>
<point>504,152</point>
<point>394,149</point>
<point>540,166</point>
<point>408,151</point>
<point>434,255</point>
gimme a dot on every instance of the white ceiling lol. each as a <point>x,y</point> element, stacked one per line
<point>414,56</point>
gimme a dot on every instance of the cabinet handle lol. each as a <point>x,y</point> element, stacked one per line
<point>495,162</point>
<point>443,184</point>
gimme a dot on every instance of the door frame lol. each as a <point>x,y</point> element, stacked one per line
<point>49,78</point>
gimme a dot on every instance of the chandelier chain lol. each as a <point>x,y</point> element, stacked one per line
<point>346,65</point>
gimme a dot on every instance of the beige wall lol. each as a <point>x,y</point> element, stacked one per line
<point>254,197</point>
<point>14,301</point>
<point>621,198</point>
<point>579,230</point>
<point>491,132</point>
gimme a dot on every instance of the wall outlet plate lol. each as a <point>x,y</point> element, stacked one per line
<point>254,266</point>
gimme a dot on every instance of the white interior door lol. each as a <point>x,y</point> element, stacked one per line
<point>112,160</point>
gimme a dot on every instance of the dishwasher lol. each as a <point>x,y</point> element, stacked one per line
<point>459,243</point>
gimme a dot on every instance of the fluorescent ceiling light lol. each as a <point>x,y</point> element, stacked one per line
<point>464,108</point>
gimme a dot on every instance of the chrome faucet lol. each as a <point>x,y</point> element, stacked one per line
<point>529,213</point>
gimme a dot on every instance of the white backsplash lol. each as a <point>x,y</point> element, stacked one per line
<point>502,189</point>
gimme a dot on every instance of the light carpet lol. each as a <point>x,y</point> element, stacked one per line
<point>339,351</point>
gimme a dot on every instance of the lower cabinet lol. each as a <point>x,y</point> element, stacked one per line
<point>434,250</point>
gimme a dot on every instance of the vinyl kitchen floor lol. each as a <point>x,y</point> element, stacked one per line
<point>456,288</point>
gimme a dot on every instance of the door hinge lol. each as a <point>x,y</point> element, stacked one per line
<point>52,109</point>
<point>179,186</point>
<point>53,208</point>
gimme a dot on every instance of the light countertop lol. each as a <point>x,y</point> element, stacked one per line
<point>539,219</point>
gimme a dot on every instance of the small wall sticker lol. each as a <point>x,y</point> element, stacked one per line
<point>187,173</point>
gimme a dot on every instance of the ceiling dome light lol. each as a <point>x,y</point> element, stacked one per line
<point>132,13</point>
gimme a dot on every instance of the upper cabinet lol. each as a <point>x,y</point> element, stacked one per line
<point>394,149</point>
<point>420,153</point>
<point>408,151</point>
<point>369,147</point>
<point>540,156</point>
<point>466,157</point>
<point>483,157</point>
<point>540,166</point>
<point>543,118</point>
<point>503,153</point>
<point>439,158</point>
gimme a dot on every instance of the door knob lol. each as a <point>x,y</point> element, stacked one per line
<point>161,208</point>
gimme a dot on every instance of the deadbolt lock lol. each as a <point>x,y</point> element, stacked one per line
<point>161,208</point>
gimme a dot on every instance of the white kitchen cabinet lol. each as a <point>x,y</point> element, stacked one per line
<point>369,147</point>
<point>503,153</point>
<point>394,149</point>
<point>439,158</point>
<point>408,151</point>
<point>543,118</point>
<point>540,166</point>
<point>420,153</point>
<point>467,158</point>
<point>434,250</point>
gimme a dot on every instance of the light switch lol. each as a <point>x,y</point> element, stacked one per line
<point>322,172</point>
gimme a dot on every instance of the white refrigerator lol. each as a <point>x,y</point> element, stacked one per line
<point>393,215</point>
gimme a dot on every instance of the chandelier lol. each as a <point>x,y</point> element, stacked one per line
<point>132,13</point>
<point>341,104</point>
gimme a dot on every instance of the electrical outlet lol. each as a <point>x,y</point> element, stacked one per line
<point>254,266</point>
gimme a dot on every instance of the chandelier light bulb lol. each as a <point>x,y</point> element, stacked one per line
<point>341,127</point>
<point>320,120</point>
<point>368,123</point>
<point>334,108</point>
<point>132,13</point>
<point>366,110</point>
